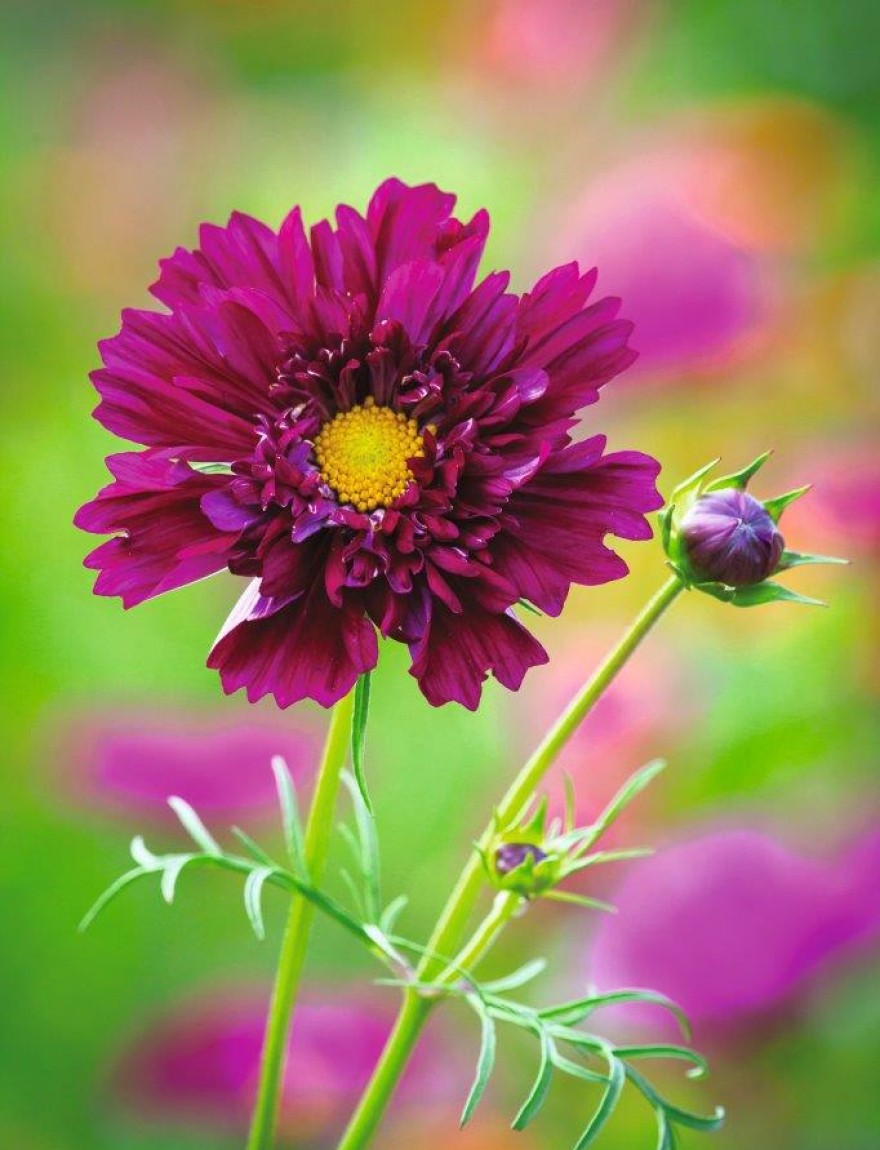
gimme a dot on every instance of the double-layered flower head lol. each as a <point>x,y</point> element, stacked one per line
<point>379,445</point>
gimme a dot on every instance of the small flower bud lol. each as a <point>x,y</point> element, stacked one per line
<point>509,856</point>
<point>729,537</point>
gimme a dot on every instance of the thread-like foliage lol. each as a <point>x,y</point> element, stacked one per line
<point>563,1045</point>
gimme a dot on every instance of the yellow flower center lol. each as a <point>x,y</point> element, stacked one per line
<point>362,454</point>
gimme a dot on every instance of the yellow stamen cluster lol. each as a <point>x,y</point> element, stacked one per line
<point>362,454</point>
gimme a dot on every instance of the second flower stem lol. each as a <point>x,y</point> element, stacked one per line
<point>296,934</point>
<point>452,924</point>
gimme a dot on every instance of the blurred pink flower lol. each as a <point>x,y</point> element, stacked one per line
<point>556,44</point>
<point>731,924</point>
<point>842,510</point>
<point>199,1065</point>
<point>696,297</point>
<point>131,762</point>
<point>693,226</point>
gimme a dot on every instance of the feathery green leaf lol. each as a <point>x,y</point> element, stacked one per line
<point>485,1060</point>
<point>194,826</point>
<point>115,888</point>
<point>359,734</point>
<point>607,1104</point>
<point>366,847</point>
<point>290,818</point>
<point>538,1093</point>
<point>253,896</point>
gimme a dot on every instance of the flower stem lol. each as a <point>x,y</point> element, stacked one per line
<point>505,906</point>
<point>454,918</point>
<point>411,1019</point>
<point>296,934</point>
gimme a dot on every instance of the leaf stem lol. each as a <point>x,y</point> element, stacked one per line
<point>296,934</point>
<point>453,921</point>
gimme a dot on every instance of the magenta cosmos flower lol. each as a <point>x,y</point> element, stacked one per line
<point>390,444</point>
<point>129,762</point>
<point>733,924</point>
<point>200,1064</point>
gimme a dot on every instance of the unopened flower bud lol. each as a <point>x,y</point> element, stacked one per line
<point>509,856</point>
<point>729,537</point>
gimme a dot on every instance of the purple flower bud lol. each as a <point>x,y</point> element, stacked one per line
<point>729,537</point>
<point>509,856</point>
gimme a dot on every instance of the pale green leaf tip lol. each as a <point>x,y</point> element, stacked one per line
<point>279,766</point>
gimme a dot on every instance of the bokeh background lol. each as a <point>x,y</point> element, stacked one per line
<point>719,162</point>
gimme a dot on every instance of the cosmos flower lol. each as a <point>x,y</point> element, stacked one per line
<point>389,448</point>
<point>130,762</point>
<point>731,924</point>
<point>199,1065</point>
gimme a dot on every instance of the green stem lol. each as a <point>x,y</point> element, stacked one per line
<point>412,1018</point>
<point>453,920</point>
<point>503,909</point>
<point>299,923</point>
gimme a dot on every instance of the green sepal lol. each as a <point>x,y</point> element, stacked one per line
<point>680,502</point>
<point>801,559</point>
<point>580,900</point>
<point>680,572</point>
<point>693,482</point>
<point>531,878</point>
<point>535,825</point>
<point>768,592</point>
<point>775,507</point>
<point>665,521</point>
<point>740,478</point>
<point>721,591</point>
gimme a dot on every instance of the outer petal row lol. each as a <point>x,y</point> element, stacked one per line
<point>555,526</point>
<point>164,541</point>
<point>305,649</point>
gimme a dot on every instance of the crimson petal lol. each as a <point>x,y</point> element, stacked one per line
<point>305,649</point>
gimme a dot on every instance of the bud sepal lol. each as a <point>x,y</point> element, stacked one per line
<point>725,542</point>
<point>533,856</point>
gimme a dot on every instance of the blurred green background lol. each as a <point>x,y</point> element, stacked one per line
<point>124,124</point>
